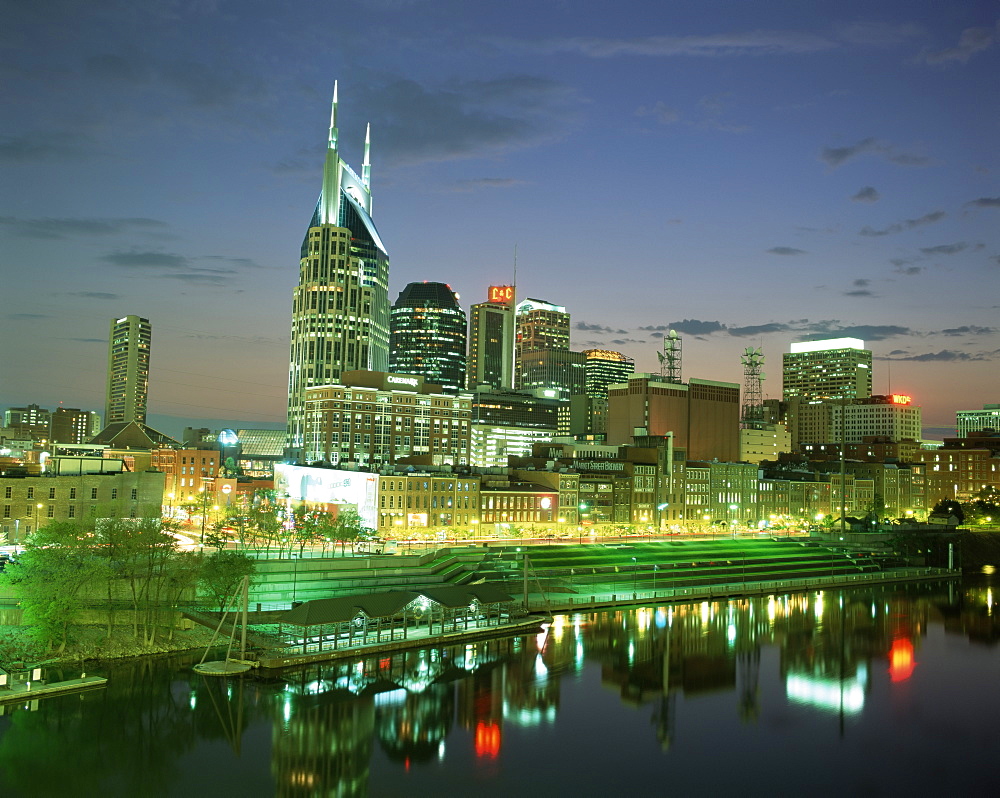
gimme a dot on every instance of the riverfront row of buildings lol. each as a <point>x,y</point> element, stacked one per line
<point>421,399</point>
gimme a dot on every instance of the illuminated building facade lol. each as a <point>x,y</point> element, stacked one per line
<point>72,425</point>
<point>540,326</point>
<point>128,370</point>
<point>340,307</point>
<point>837,368</point>
<point>559,373</point>
<point>603,368</point>
<point>373,417</point>
<point>973,420</point>
<point>427,331</point>
<point>491,340</point>
<point>893,417</point>
<point>31,421</point>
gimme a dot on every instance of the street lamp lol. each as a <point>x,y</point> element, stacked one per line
<point>732,523</point>
<point>38,509</point>
<point>655,569</point>
<point>635,576</point>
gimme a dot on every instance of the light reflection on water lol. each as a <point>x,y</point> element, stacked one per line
<point>773,682</point>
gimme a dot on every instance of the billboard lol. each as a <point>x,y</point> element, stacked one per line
<point>356,490</point>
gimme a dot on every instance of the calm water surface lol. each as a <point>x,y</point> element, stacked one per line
<point>879,691</point>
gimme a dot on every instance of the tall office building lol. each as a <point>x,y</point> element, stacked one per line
<point>427,335</point>
<point>128,370</point>
<point>837,368</point>
<point>603,368</point>
<point>491,341</point>
<point>553,372</point>
<point>539,325</point>
<point>340,308</point>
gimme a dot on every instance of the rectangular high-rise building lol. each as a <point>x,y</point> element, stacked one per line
<point>604,368</point>
<point>539,325</point>
<point>128,370</point>
<point>491,341</point>
<point>836,368</point>
<point>340,308</point>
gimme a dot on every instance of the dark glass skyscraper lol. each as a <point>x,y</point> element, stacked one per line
<point>427,335</point>
<point>340,309</point>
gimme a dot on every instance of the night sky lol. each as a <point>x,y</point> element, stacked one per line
<point>749,174</point>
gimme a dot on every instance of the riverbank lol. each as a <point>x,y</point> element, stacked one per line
<point>90,644</point>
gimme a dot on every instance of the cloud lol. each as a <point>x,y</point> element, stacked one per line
<point>906,224</point>
<point>904,266</point>
<point>147,260</point>
<point>985,202</point>
<point>862,283</point>
<point>837,156</point>
<point>969,329</point>
<point>945,249</point>
<point>759,42</point>
<point>51,228</point>
<point>413,123</point>
<point>947,356</point>
<point>486,182</point>
<point>587,327</point>
<point>26,316</point>
<point>660,112</point>
<point>754,330</point>
<point>94,295</point>
<point>859,293</point>
<point>867,194</point>
<point>697,327</point>
<point>786,251</point>
<point>970,42</point>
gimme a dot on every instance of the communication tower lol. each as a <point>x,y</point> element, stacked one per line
<point>753,397</point>
<point>670,358</point>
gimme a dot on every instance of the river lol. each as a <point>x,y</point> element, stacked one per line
<point>883,690</point>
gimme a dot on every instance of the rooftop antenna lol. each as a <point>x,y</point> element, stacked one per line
<point>670,358</point>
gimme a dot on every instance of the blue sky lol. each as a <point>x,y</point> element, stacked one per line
<point>749,174</point>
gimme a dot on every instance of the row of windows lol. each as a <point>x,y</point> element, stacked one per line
<point>71,493</point>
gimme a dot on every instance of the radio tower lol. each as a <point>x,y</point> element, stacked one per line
<point>670,358</point>
<point>753,398</point>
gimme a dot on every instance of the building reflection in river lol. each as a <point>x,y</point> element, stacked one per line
<point>329,725</point>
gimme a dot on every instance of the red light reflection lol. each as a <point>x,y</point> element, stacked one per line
<point>901,662</point>
<point>487,740</point>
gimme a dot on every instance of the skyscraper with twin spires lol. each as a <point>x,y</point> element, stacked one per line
<point>340,308</point>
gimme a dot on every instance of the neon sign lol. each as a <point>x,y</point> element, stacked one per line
<point>501,293</point>
<point>901,399</point>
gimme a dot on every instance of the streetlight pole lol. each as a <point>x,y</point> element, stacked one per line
<point>635,576</point>
<point>655,569</point>
<point>38,509</point>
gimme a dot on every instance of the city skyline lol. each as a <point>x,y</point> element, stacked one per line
<point>833,167</point>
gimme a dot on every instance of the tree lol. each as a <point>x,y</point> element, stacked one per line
<point>221,573</point>
<point>949,507</point>
<point>51,578</point>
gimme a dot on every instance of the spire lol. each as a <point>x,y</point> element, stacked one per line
<point>366,167</point>
<point>333,118</point>
<point>330,196</point>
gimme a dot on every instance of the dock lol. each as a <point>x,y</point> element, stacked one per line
<point>21,691</point>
